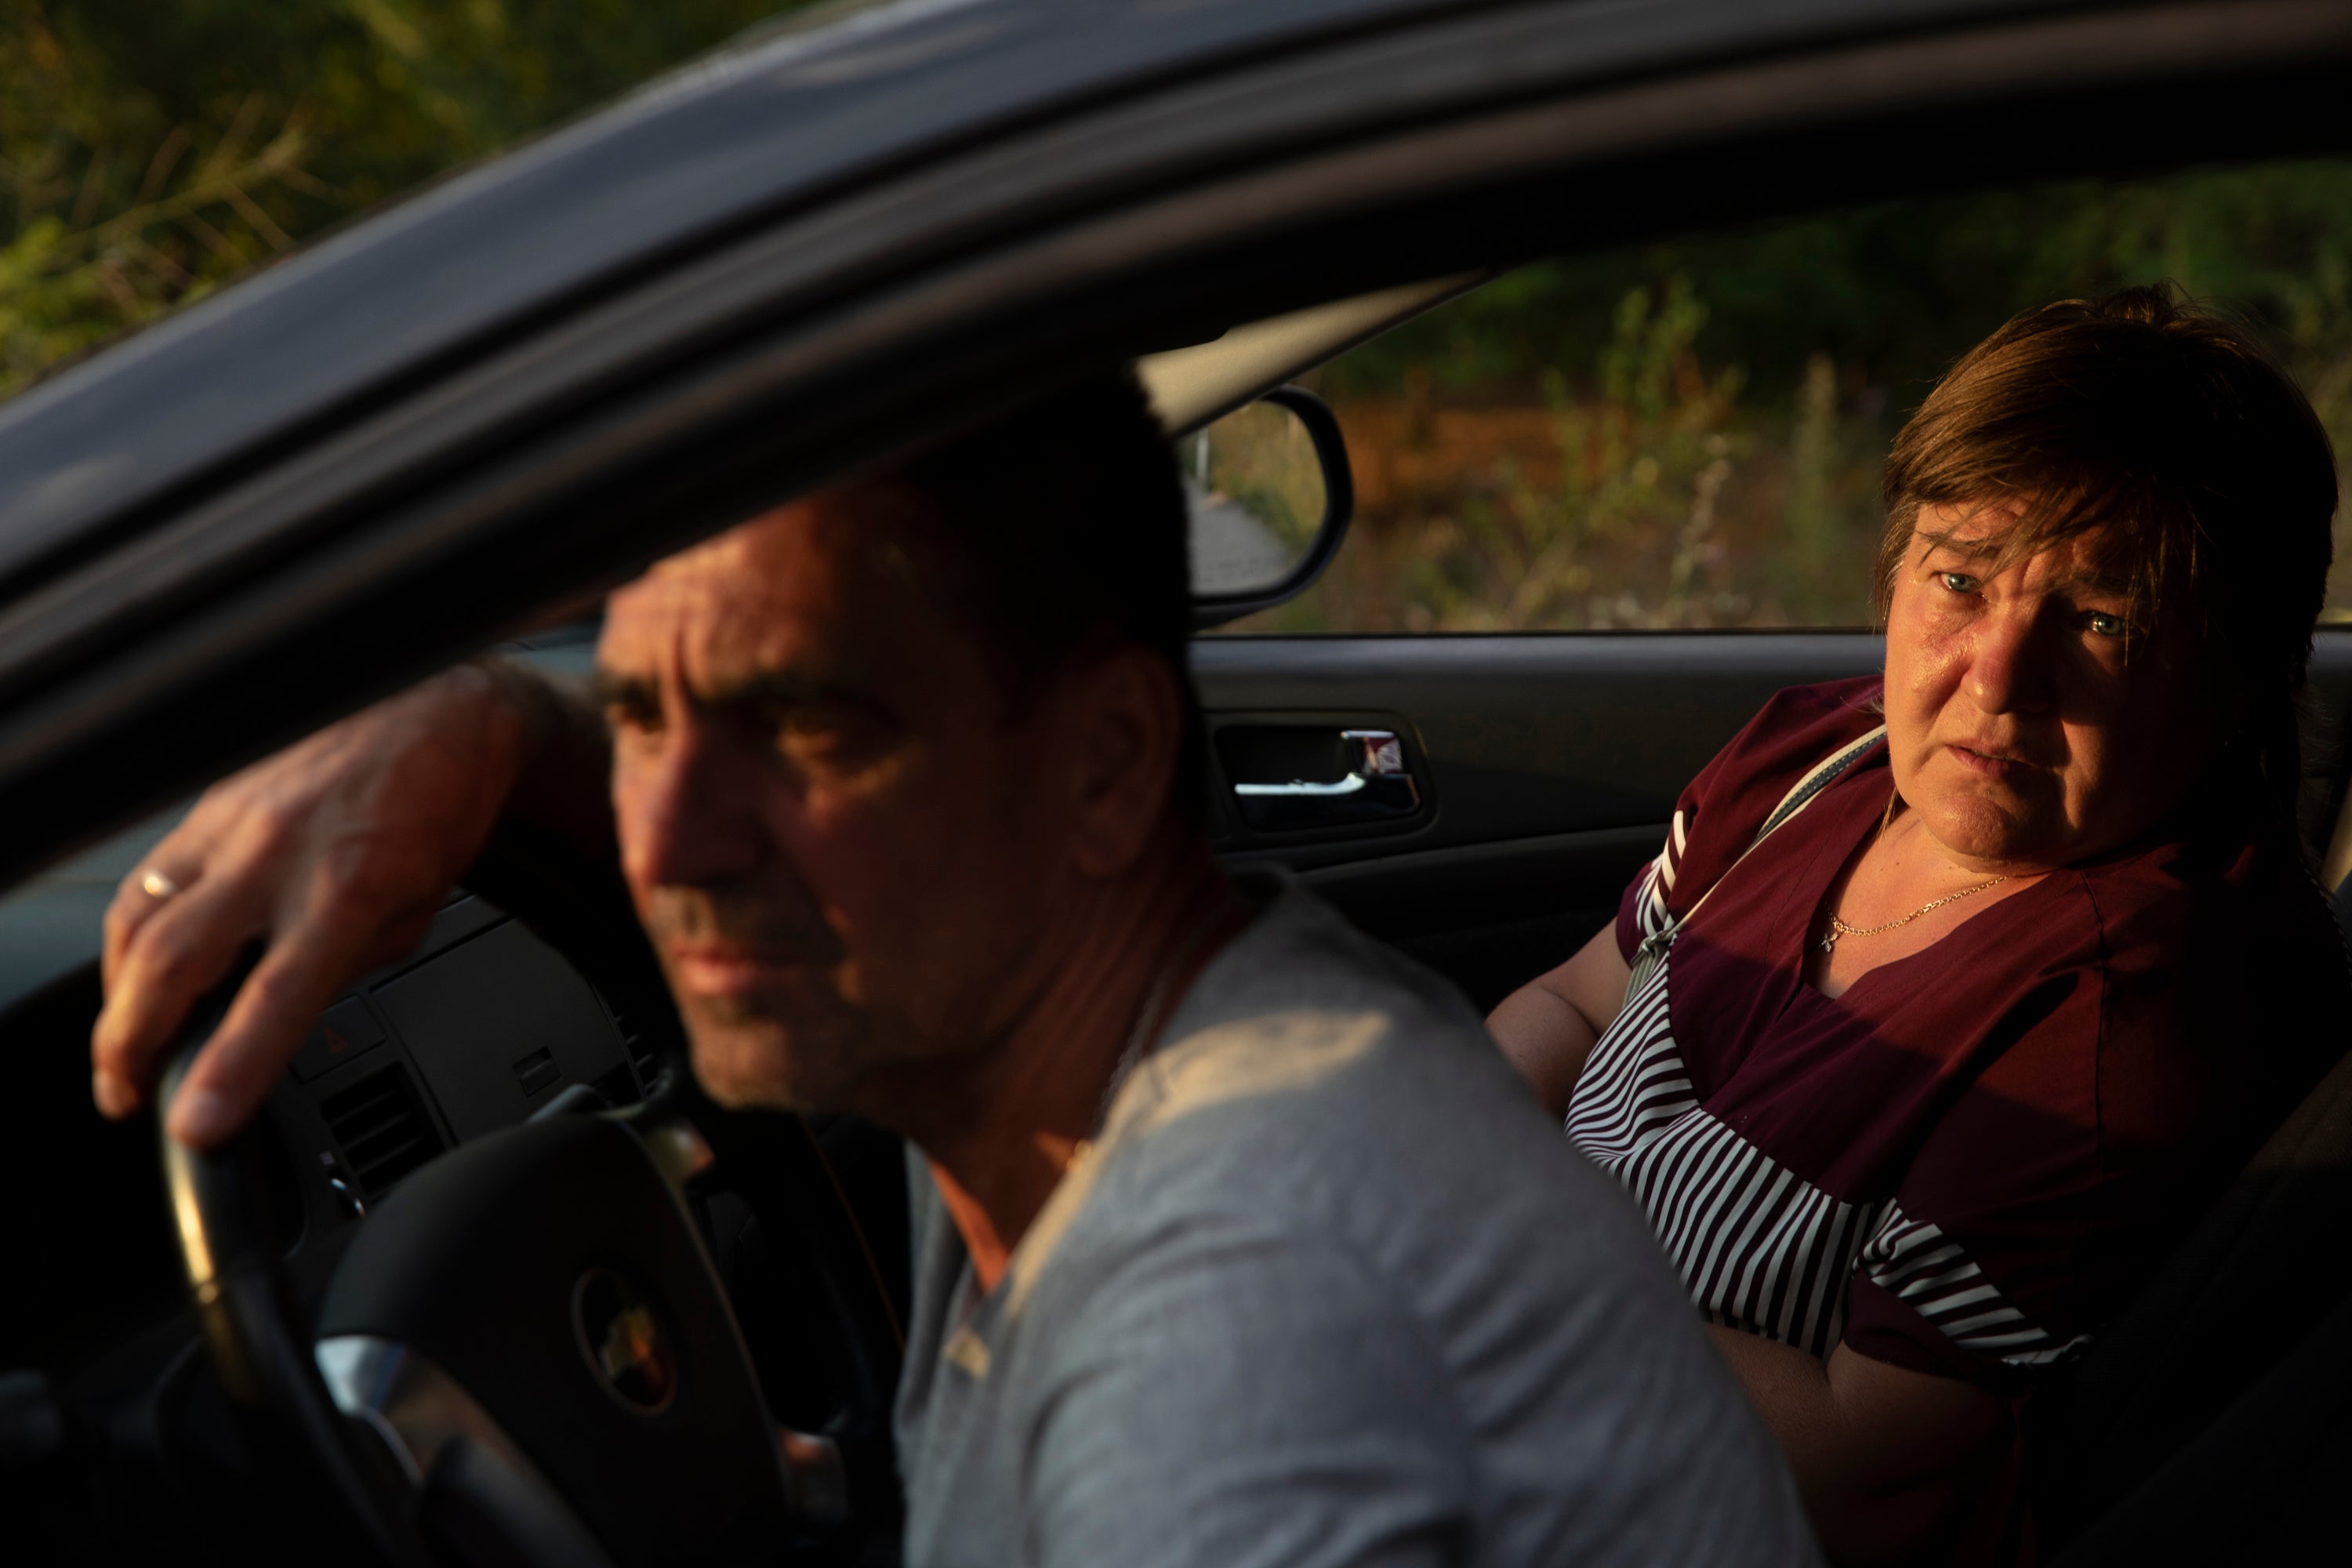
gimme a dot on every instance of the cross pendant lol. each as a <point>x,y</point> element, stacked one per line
<point>1828,939</point>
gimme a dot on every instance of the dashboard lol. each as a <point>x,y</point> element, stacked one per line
<point>479,1026</point>
<point>482,1027</point>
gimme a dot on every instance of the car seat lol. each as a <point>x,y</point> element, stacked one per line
<point>2212,1422</point>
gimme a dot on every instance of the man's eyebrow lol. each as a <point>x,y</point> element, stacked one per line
<point>790,688</point>
<point>775,688</point>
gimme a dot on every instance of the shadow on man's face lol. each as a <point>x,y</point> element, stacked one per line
<point>839,842</point>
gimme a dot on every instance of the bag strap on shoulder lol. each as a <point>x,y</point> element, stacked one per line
<point>1653,950</point>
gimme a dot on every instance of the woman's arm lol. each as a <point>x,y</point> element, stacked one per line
<point>1546,1026</point>
<point>1883,1456</point>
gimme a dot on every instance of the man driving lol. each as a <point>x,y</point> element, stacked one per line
<point>1238,1242</point>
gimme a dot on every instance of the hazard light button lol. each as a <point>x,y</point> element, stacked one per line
<point>345,1031</point>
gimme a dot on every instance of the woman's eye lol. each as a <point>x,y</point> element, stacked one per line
<point>2106,626</point>
<point>1958,582</point>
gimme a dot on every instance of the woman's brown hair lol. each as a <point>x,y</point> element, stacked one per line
<point>2166,424</point>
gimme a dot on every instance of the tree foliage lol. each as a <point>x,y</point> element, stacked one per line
<point>1893,292</point>
<point>149,152</point>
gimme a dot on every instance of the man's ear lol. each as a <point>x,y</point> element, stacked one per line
<point>1125,713</point>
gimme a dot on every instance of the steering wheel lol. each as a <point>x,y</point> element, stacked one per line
<point>525,1354</point>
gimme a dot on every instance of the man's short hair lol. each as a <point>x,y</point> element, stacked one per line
<point>1068,531</point>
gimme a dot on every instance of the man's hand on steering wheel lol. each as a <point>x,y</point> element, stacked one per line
<point>335,855</point>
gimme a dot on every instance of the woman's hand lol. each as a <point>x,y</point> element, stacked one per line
<point>1548,1026</point>
<point>335,853</point>
<point>1883,1456</point>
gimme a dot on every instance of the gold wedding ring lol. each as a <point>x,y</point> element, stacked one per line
<point>157,886</point>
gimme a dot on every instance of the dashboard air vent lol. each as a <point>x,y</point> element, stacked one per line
<point>382,1127</point>
<point>644,1060</point>
<point>646,1063</point>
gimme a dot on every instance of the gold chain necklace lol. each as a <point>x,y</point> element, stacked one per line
<point>1838,927</point>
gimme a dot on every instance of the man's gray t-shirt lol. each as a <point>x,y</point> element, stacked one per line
<point>1327,1289</point>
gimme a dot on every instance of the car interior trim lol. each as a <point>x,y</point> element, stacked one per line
<point>1191,387</point>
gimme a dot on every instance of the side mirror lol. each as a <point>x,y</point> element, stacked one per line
<point>1271,493</point>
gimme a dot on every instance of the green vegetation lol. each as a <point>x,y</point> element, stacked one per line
<point>151,151</point>
<point>1688,434</point>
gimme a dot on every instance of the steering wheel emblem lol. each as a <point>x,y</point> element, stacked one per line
<point>624,1343</point>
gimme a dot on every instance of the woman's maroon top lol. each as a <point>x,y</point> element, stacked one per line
<point>1964,1163</point>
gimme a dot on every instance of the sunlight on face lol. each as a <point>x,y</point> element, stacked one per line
<point>2033,718</point>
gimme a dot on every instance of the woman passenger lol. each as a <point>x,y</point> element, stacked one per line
<point>1954,994</point>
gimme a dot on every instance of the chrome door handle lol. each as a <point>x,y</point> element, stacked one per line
<point>1299,789</point>
<point>1378,786</point>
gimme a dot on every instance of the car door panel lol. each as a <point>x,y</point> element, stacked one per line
<point>1550,765</point>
